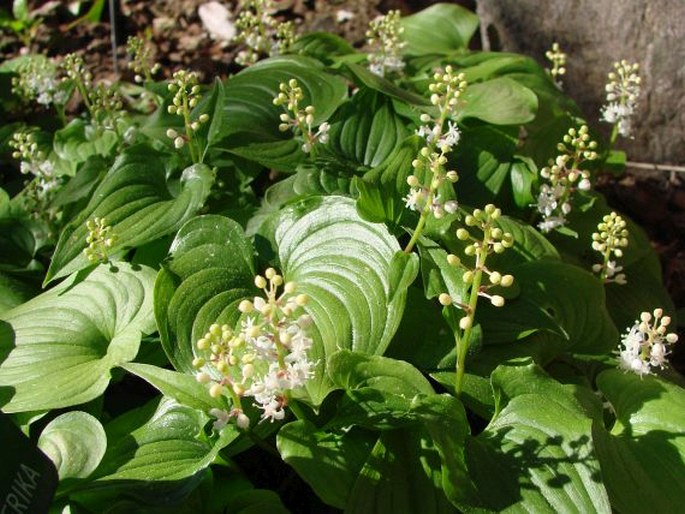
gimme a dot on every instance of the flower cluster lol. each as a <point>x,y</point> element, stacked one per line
<point>623,90</point>
<point>100,239</point>
<point>646,344</point>
<point>423,196</point>
<point>75,71</point>
<point>299,120</point>
<point>494,240</point>
<point>38,80</point>
<point>384,38</point>
<point>611,238</point>
<point>184,85</point>
<point>265,358</point>
<point>141,60</point>
<point>261,33</point>
<point>563,177</point>
<point>32,159</point>
<point>558,60</point>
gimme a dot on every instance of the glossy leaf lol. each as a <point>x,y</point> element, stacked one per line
<point>13,292</point>
<point>500,101</point>
<point>344,265</point>
<point>642,455</point>
<point>160,442</point>
<point>363,77</point>
<point>209,271</point>
<point>441,28</point>
<point>87,326</point>
<point>137,203</point>
<point>537,453</point>
<point>75,442</point>
<point>250,120</point>
<point>183,388</point>
<point>77,142</point>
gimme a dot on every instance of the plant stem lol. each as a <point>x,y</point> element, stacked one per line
<point>419,227</point>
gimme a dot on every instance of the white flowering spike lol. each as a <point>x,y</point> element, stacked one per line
<point>264,357</point>
<point>261,33</point>
<point>301,121</point>
<point>623,91</point>
<point>141,59</point>
<point>646,344</point>
<point>609,241</point>
<point>563,177</point>
<point>558,60</point>
<point>384,38</point>
<point>38,79</point>
<point>184,85</point>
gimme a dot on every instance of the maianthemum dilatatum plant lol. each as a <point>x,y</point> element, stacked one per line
<point>385,270</point>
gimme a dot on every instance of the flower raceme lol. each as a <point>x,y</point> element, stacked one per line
<point>99,240</point>
<point>184,85</point>
<point>301,121</point>
<point>563,177</point>
<point>558,60</point>
<point>384,38</point>
<point>623,91</point>
<point>646,344</point>
<point>264,357</point>
<point>611,239</point>
<point>430,165</point>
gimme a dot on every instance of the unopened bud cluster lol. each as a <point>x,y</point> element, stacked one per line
<point>647,343</point>
<point>100,239</point>
<point>38,80</point>
<point>494,240</point>
<point>610,241</point>
<point>301,121</point>
<point>261,33</point>
<point>184,85</point>
<point>264,358</point>
<point>106,107</point>
<point>75,69</point>
<point>623,91</point>
<point>446,90</point>
<point>563,177</point>
<point>141,60</point>
<point>384,38</point>
<point>558,60</point>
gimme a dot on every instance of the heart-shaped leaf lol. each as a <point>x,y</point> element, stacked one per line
<point>643,453</point>
<point>251,120</point>
<point>537,454</point>
<point>75,442</point>
<point>500,101</point>
<point>63,343</point>
<point>208,272</point>
<point>344,265</point>
<point>136,201</point>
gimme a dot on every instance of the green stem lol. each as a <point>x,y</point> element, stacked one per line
<point>613,137</point>
<point>419,227</point>
<point>189,131</point>
<point>463,341</point>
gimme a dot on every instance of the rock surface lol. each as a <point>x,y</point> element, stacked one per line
<point>594,34</point>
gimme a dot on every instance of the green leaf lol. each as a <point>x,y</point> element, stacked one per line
<point>565,302</point>
<point>209,271</point>
<point>328,461</point>
<point>366,130</point>
<point>500,101</point>
<point>20,10</point>
<point>137,203</point>
<point>523,174</point>
<point>536,455</point>
<point>438,275</point>
<point>86,327</point>
<point>160,442</point>
<point>441,28</point>
<point>77,142</point>
<point>250,120</point>
<point>75,442</point>
<point>643,453</point>
<point>382,189</point>
<point>183,388</point>
<point>353,370</point>
<point>323,46</point>
<point>344,265</point>
<point>363,77</point>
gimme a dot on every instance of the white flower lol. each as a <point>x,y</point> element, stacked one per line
<point>451,137</point>
<point>549,224</point>
<point>646,344</point>
<point>343,15</point>
<point>414,199</point>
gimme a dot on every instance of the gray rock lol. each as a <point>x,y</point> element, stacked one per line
<point>594,34</point>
